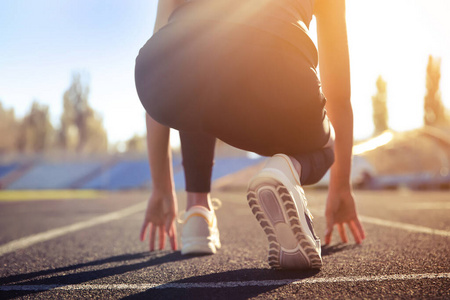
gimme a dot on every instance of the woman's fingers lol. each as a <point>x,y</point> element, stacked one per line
<point>342,232</point>
<point>143,229</point>
<point>360,229</point>
<point>162,238</point>
<point>152,236</point>
<point>153,229</point>
<point>171,232</point>
<point>355,227</point>
<point>355,232</point>
<point>328,232</point>
<point>173,237</point>
<point>162,230</point>
<point>329,229</point>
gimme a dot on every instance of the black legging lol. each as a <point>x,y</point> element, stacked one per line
<point>198,156</point>
<point>251,89</point>
<point>315,165</point>
<point>197,149</point>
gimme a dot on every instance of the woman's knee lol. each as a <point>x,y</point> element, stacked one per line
<point>315,165</point>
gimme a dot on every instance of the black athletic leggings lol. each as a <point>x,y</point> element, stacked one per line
<point>251,89</point>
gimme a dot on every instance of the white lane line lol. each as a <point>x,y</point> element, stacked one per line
<point>421,206</point>
<point>53,233</point>
<point>381,222</point>
<point>405,226</point>
<point>393,224</point>
<point>222,284</point>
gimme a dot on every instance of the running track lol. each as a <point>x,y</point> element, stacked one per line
<point>89,248</point>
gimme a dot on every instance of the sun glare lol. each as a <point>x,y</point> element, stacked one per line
<point>374,143</point>
<point>394,39</point>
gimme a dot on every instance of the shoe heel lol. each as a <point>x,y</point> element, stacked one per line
<point>274,247</point>
<point>198,246</point>
<point>198,236</point>
<point>282,226</point>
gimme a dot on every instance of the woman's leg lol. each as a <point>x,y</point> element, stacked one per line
<point>313,166</point>
<point>198,158</point>
<point>199,234</point>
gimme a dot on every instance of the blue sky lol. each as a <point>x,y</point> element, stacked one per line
<point>43,42</point>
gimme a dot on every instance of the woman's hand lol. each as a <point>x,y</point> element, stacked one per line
<point>160,217</point>
<point>341,210</point>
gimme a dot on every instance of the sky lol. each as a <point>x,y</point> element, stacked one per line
<point>42,43</point>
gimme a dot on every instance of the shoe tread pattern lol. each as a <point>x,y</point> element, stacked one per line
<point>294,222</point>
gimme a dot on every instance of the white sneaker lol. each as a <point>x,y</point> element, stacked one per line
<point>199,234</point>
<point>279,204</point>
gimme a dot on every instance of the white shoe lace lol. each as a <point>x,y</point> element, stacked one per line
<point>216,203</point>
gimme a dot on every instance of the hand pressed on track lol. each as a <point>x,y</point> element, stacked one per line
<point>340,210</point>
<point>160,217</point>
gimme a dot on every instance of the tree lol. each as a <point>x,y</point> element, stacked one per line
<point>96,139</point>
<point>380,111</point>
<point>36,131</point>
<point>8,130</point>
<point>68,133</point>
<point>81,127</point>
<point>434,111</point>
<point>136,144</point>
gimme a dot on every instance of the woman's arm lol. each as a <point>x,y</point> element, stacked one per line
<point>159,156</point>
<point>334,69</point>
<point>162,205</point>
<point>158,147</point>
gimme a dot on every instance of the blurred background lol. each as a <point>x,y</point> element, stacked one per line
<point>70,117</point>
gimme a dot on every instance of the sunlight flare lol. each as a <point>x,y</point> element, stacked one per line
<point>374,143</point>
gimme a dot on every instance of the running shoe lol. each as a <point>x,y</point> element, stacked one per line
<point>278,202</point>
<point>199,234</point>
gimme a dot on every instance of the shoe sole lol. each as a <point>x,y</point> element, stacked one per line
<point>276,212</point>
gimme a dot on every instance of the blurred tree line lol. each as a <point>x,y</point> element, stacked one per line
<point>80,130</point>
<point>136,144</point>
<point>379,105</point>
<point>435,113</point>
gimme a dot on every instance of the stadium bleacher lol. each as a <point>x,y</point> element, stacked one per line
<point>61,175</point>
